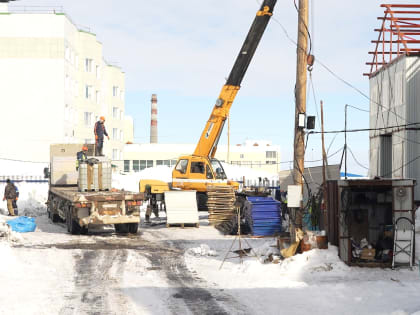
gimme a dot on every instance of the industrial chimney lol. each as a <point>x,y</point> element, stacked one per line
<point>153,122</point>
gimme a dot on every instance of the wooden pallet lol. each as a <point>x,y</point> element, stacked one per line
<point>221,204</point>
<point>182,225</point>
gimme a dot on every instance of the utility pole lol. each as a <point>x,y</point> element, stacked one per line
<point>345,141</point>
<point>300,100</point>
<point>324,165</point>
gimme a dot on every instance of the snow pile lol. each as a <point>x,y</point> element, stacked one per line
<point>203,250</point>
<point>131,181</point>
<point>313,261</point>
<point>32,199</point>
<point>266,250</point>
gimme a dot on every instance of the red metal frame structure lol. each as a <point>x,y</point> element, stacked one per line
<point>398,35</point>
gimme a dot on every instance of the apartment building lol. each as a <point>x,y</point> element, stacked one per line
<point>55,84</point>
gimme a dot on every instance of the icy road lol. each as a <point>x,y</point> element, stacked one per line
<point>166,271</point>
<point>176,271</point>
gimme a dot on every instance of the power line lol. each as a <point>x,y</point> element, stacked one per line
<point>317,60</point>
<point>364,129</point>
<point>358,108</point>
<point>354,158</point>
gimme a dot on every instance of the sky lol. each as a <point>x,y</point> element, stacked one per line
<point>184,50</point>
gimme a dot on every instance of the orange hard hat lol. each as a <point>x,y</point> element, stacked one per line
<point>85,148</point>
<point>102,118</point>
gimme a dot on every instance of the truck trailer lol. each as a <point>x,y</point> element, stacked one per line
<point>81,209</point>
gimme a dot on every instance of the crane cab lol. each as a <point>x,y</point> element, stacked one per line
<point>196,173</point>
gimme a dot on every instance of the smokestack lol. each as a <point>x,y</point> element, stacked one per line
<point>153,122</point>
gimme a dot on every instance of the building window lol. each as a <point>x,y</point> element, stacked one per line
<point>115,91</point>
<point>136,165</point>
<point>142,164</point>
<point>271,154</point>
<point>163,162</point>
<point>121,115</point>
<point>98,97</point>
<point>88,92</point>
<point>115,154</point>
<point>126,165</point>
<point>242,156</point>
<point>88,64</point>
<point>114,133</point>
<point>88,119</point>
<point>98,72</point>
<point>173,162</point>
<point>115,112</point>
<point>121,135</point>
<point>121,95</point>
<point>149,163</point>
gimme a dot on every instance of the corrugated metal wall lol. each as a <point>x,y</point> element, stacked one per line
<point>412,142</point>
<point>397,89</point>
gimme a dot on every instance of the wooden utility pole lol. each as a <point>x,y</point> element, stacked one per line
<point>324,165</point>
<point>300,100</point>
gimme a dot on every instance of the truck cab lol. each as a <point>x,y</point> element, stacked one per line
<point>197,172</point>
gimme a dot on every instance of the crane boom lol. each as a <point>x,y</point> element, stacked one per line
<point>207,145</point>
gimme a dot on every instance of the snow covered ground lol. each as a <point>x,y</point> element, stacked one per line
<point>177,271</point>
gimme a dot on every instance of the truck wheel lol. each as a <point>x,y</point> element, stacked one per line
<point>133,228</point>
<point>121,228</point>
<point>72,226</point>
<point>54,217</point>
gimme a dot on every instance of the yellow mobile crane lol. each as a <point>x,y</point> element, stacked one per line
<point>201,169</point>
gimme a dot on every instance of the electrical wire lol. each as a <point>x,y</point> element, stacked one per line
<point>364,129</point>
<point>354,158</point>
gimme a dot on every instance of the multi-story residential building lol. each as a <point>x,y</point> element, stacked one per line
<point>260,155</point>
<point>55,84</point>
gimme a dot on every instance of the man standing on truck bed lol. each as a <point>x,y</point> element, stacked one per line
<point>10,195</point>
<point>100,132</point>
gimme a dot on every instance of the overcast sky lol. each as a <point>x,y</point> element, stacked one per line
<point>183,50</point>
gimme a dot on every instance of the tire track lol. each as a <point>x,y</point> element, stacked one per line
<point>93,281</point>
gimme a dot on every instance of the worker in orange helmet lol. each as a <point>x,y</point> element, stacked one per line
<point>82,156</point>
<point>100,132</point>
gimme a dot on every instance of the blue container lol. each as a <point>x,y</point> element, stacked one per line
<point>22,224</point>
<point>265,216</point>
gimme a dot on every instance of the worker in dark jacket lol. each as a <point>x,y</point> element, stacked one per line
<point>100,132</point>
<point>10,195</point>
<point>81,156</point>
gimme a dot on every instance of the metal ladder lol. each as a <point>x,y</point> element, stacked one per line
<point>404,232</point>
